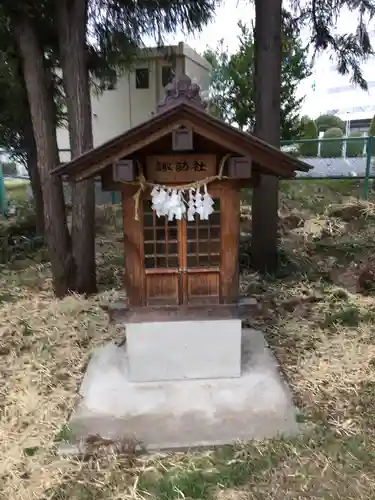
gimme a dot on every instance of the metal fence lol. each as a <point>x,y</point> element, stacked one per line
<point>336,158</point>
<point>16,182</point>
<point>333,158</point>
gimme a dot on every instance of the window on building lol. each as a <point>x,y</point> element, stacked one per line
<point>347,88</point>
<point>109,81</point>
<point>167,74</point>
<point>142,78</point>
<point>343,88</point>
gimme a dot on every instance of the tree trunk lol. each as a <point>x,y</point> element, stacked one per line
<point>265,203</point>
<point>32,168</point>
<point>28,144</point>
<point>43,120</point>
<point>72,21</point>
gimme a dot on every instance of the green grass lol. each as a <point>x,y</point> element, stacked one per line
<point>15,182</point>
<point>320,465</point>
<point>314,194</point>
<point>16,189</point>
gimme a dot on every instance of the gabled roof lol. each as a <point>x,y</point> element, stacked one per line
<point>184,110</point>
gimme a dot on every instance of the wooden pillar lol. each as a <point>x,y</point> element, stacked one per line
<point>230,239</point>
<point>133,251</point>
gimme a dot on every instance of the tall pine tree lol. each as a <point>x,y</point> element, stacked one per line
<point>350,50</point>
<point>232,80</point>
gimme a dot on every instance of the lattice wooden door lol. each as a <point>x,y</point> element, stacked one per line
<point>181,259</point>
<point>161,258</point>
<point>200,259</point>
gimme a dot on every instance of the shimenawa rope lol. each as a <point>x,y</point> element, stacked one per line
<point>144,184</point>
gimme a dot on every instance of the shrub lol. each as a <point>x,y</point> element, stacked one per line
<point>309,131</point>
<point>354,147</point>
<point>326,122</point>
<point>332,149</point>
<point>18,232</point>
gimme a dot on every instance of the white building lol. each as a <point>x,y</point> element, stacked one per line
<point>131,97</point>
<point>328,92</point>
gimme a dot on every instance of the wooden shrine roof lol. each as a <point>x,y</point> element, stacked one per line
<point>182,108</point>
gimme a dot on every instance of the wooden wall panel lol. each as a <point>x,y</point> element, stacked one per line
<point>134,279</point>
<point>203,287</point>
<point>230,239</point>
<point>162,289</point>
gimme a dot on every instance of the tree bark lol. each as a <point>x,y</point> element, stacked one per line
<point>28,144</point>
<point>43,120</point>
<point>72,22</point>
<point>265,202</point>
<point>32,168</point>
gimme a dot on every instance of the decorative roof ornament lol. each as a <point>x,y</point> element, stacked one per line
<point>181,89</point>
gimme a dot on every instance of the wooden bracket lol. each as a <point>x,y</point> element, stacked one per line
<point>182,139</point>
<point>124,170</point>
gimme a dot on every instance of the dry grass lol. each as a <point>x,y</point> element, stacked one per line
<point>319,326</point>
<point>16,189</point>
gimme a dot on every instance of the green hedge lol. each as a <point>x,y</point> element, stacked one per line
<point>332,149</point>
<point>327,122</point>
<point>309,131</point>
<point>355,147</point>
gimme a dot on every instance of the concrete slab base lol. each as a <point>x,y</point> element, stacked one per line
<point>187,413</point>
<point>180,350</point>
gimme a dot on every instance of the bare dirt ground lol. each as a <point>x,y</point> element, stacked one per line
<point>319,317</point>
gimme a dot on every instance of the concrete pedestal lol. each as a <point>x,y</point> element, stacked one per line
<point>180,350</point>
<point>184,413</point>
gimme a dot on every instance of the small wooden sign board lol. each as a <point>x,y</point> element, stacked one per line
<point>180,168</point>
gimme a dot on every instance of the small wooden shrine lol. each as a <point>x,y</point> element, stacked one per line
<point>180,175</point>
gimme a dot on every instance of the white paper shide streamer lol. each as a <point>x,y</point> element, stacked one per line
<point>170,202</point>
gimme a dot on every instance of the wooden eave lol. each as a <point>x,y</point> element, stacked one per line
<point>270,159</point>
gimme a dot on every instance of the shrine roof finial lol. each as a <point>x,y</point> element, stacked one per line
<point>181,89</point>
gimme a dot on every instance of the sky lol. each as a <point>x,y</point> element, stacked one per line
<point>225,26</point>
